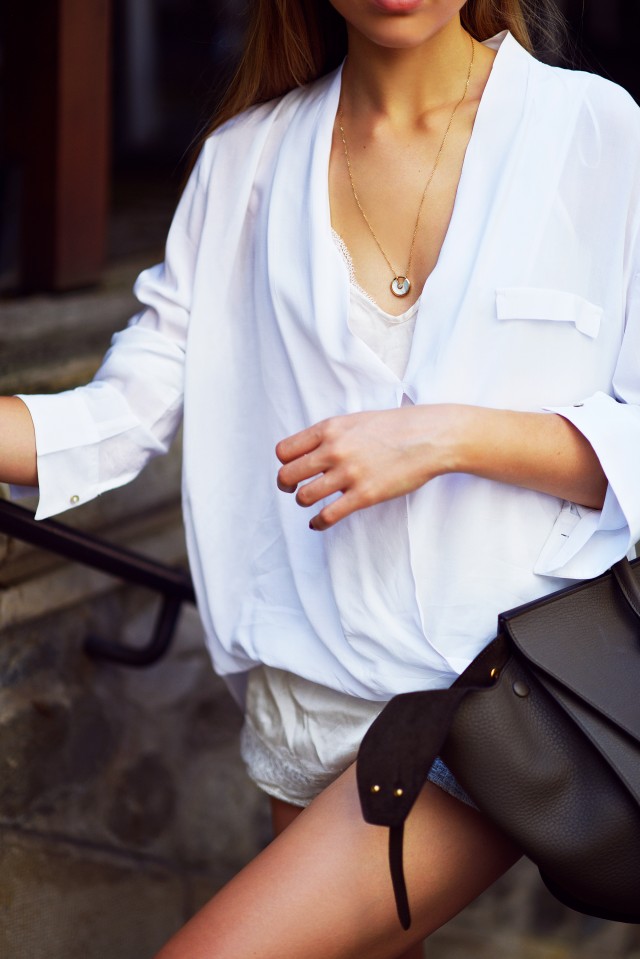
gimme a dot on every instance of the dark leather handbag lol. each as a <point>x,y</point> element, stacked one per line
<point>543,732</point>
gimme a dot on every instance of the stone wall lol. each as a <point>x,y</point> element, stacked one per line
<point>123,804</point>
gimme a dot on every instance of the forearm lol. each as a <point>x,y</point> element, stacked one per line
<point>540,451</point>
<point>372,457</point>
<point>17,443</point>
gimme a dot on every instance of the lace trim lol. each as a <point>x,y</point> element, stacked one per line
<point>276,773</point>
<point>342,246</point>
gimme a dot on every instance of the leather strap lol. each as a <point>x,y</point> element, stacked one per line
<point>396,837</point>
<point>400,747</point>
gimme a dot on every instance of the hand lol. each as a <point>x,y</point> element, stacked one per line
<point>367,457</point>
<point>372,457</point>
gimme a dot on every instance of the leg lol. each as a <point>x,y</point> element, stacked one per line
<point>321,890</point>
<point>282,815</point>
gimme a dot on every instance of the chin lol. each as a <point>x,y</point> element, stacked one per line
<point>398,24</point>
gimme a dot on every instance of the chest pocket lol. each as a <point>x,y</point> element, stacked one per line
<point>553,306</point>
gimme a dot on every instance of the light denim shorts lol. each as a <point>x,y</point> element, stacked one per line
<point>298,736</point>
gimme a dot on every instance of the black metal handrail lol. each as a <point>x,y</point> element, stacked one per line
<point>173,584</point>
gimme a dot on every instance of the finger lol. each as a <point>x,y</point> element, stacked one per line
<point>300,469</point>
<point>285,487</point>
<point>325,485</point>
<point>299,443</point>
<point>330,515</point>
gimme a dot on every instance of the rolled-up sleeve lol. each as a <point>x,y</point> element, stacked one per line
<point>585,542</point>
<point>99,436</point>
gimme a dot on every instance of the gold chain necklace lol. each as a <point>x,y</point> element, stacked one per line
<point>401,284</point>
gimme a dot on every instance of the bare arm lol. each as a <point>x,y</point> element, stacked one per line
<point>372,457</point>
<point>539,451</point>
<point>17,443</point>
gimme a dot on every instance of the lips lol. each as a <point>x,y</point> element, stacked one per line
<point>397,6</point>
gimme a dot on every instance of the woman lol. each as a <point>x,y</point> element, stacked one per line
<point>441,347</point>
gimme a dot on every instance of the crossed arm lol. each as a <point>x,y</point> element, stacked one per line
<point>371,457</point>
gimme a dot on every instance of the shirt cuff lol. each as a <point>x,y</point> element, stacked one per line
<point>67,451</point>
<point>586,542</point>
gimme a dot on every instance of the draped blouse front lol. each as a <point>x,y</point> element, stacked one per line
<point>534,305</point>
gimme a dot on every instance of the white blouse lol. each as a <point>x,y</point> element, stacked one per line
<point>534,305</point>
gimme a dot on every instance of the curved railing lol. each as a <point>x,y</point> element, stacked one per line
<point>173,584</point>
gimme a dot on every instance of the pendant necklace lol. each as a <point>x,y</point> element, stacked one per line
<point>401,284</point>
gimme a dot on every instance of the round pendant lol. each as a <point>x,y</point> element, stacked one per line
<point>400,286</point>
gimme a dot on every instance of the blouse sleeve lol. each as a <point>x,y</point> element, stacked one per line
<point>585,542</point>
<point>99,436</point>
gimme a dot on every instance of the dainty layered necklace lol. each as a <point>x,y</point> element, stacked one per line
<point>401,282</point>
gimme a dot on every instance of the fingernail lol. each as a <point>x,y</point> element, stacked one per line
<point>285,489</point>
<point>311,526</point>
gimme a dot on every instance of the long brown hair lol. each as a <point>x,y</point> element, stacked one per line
<point>292,42</point>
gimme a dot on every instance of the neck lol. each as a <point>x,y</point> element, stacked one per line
<point>405,84</point>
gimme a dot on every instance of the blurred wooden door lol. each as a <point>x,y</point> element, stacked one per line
<point>57,70</point>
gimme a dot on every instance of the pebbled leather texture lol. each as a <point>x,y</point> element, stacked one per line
<point>550,751</point>
<point>540,779</point>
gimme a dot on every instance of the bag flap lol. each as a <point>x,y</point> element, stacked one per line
<point>587,638</point>
<point>622,752</point>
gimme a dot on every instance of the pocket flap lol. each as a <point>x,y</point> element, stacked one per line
<point>536,303</point>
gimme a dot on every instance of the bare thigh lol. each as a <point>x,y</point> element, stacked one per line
<point>282,815</point>
<point>321,890</point>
